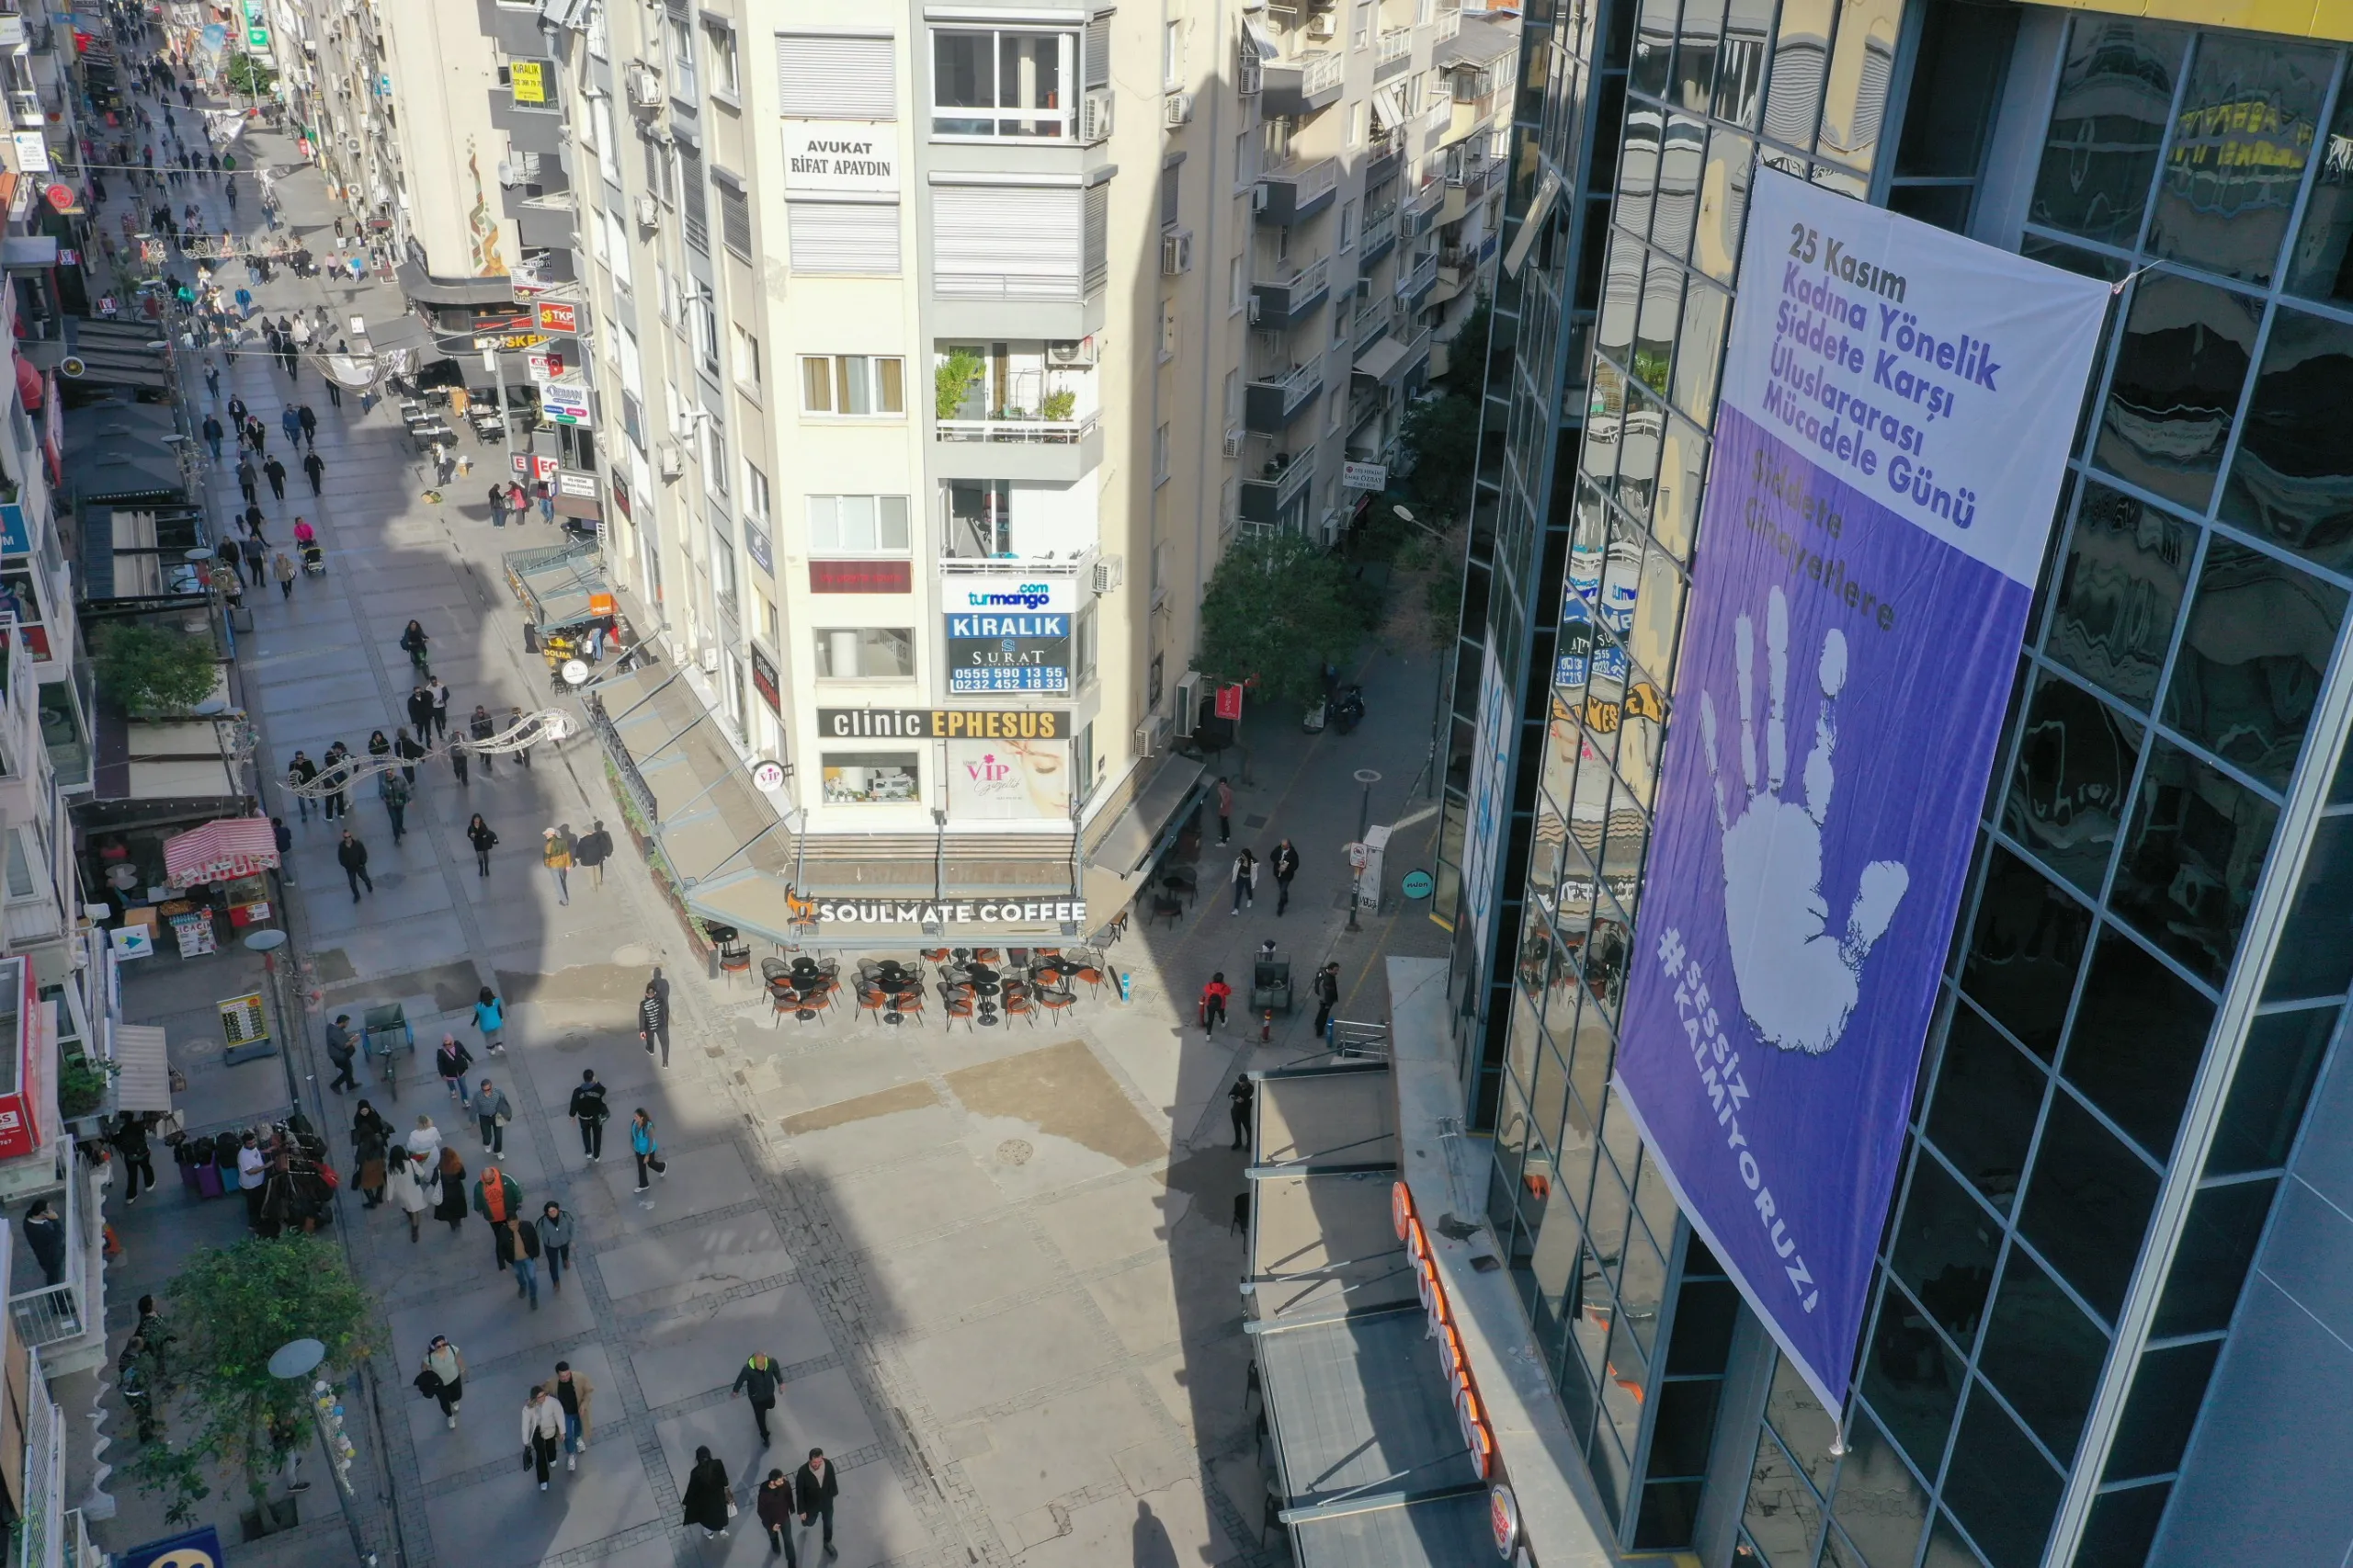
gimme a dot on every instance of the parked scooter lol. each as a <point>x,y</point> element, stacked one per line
<point>1348,711</point>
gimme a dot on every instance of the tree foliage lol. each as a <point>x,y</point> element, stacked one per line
<point>234,1308</point>
<point>250,77</point>
<point>1443,434</point>
<point>1280,608</point>
<point>156,669</point>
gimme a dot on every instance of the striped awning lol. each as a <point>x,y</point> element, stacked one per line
<point>231,847</point>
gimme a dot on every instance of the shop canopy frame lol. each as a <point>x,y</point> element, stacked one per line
<point>558,585</point>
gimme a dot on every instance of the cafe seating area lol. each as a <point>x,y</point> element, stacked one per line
<point>978,987</point>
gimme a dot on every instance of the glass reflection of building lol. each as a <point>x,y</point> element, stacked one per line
<point>2108,1323</point>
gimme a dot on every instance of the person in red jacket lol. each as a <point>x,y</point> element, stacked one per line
<point>1214,995</point>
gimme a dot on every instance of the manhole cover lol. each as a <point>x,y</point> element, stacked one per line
<point>632,954</point>
<point>576,1042</point>
<point>1014,1152</point>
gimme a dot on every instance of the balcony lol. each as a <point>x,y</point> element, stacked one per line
<point>54,1316</point>
<point>1295,191</point>
<point>1283,481</point>
<point>1271,403</point>
<point>1382,161</point>
<point>1279,305</point>
<point>25,110</point>
<point>1419,214</point>
<point>1303,84</point>
<point>1456,267</point>
<point>1396,47</point>
<point>1014,412</point>
<point>1414,288</point>
<point>1380,238</point>
<point>1450,25</point>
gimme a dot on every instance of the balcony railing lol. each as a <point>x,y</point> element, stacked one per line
<point>1419,280</point>
<point>48,1315</point>
<point>1396,44</point>
<point>1272,401</point>
<point>1450,25</point>
<point>25,110</point>
<point>1280,301</point>
<point>1380,234</point>
<point>1025,432</point>
<point>1320,72</point>
<point>41,1529</point>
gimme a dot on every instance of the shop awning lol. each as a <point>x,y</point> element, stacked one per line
<point>143,1069</point>
<point>1383,358</point>
<point>231,847</point>
<point>555,585</point>
<point>684,781</point>
<point>402,331</point>
<point>426,290</point>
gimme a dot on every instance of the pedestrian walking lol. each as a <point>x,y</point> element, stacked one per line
<point>494,1111</point>
<point>300,772</point>
<point>450,1207</point>
<point>416,645</point>
<point>1214,996</point>
<point>440,689</point>
<point>343,1047</point>
<point>335,776</point>
<point>1327,994</point>
<point>479,729</point>
<point>458,762</point>
<point>284,568</point>
<point>479,834</point>
<point>404,1182</point>
<point>253,524</point>
<point>490,1018</point>
<point>1238,1101</point>
<point>395,792</point>
<point>518,1248</point>
<point>257,435</point>
<point>405,748</point>
<point>212,390</point>
<point>315,467</point>
<point>1284,861</point>
<point>335,392</point>
<point>370,1143</point>
<point>275,472</point>
<point>130,1141</point>
<point>211,425</point>
<point>588,1109</point>
<point>547,500</point>
<point>498,1199</point>
<point>554,1227</point>
<point>1246,879</point>
<point>576,1395</point>
<point>443,1377</point>
<point>709,1502</point>
<point>514,722</point>
<point>814,1487</point>
<point>498,505</point>
<point>310,424</point>
<point>758,1380</point>
<point>423,1143</point>
<point>648,1152</point>
<point>420,713</point>
<point>1224,809</point>
<point>653,1021</point>
<point>774,1506</point>
<point>596,847</point>
<point>542,1428</point>
<point>256,560</point>
<point>158,1335</point>
<point>352,856</point>
<point>450,1060</point>
<point>135,1382</point>
<point>291,424</point>
<point>555,853</point>
<point>284,836</point>
<point>248,479</point>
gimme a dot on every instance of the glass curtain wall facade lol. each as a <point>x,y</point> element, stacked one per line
<point>2149,971</point>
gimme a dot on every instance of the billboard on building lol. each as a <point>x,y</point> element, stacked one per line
<point>1008,631</point>
<point>1896,407</point>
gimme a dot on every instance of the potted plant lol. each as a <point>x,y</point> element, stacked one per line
<point>82,1083</point>
<point>1060,406</point>
<point>953,379</point>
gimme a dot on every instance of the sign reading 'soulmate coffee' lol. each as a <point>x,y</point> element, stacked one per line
<point>914,912</point>
<point>945,724</point>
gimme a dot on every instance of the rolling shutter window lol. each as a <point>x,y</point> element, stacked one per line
<point>1095,51</point>
<point>1004,243</point>
<point>692,202</point>
<point>856,238</point>
<point>1098,236</point>
<point>734,218</point>
<point>830,77</point>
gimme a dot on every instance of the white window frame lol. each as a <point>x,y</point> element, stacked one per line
<point>1065,114</point>
<point>823,522</point>
<point>744,361</point>
<point>836,383</point>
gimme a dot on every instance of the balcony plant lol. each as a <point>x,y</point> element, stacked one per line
<point>82,1085</point>
<point>1060,406</point>
<point>952,378</point>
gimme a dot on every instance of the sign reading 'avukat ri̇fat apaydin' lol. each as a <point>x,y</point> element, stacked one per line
<point>1893,431</point>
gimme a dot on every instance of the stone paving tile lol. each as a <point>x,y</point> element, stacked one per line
<point>695,1348</point>
<point>707,1256</point>
<point>991,1361</point>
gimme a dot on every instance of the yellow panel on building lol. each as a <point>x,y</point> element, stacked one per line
<point>2292,19</point>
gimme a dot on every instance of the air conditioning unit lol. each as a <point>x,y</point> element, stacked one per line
<point>1258,197</point>
<point>1253,304</point>
<point>1251,75</point>
<point>1110,570</point>
<point>1149,737</point>
<point>1188,701</point>
<point>644,86</point>
<point>1322,26</point>
<point>1078,351</point>
<point>674,459</point>
<point>710,661</point>
<point>1176,109</point>
<point>1095,117</point>
<point>1177,253</point>
<point>649,212</point>
<point>1234,443</point>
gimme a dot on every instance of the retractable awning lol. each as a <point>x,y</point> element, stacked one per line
<point>230,847</point>
<point>1383,359</point>
<point>143,1079</point>
<point>1255,36</point>
<point>1388,110</point>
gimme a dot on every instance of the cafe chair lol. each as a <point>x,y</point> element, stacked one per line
<point>957,1007</point>
<point>908,1001</point>
<point>735,958</point>
<point>871,1000</point>
<point>781,1001</point>
<point>988,955</point>
<point>933,955</point>
<point>1093,976</point>
<point>1015,1002</point>
<point>1055,1001</point>
<point>774,970</point>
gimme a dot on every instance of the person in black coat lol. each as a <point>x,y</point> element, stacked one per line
<point>352,856</point>
<point>654,1022</point>
<point>707,1496</point>
<point>814,1487</point>
<point>45,1234</point>
<point>420,712</point>
<point>596,847</point>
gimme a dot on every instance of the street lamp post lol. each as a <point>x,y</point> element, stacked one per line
<point>299,1361</point>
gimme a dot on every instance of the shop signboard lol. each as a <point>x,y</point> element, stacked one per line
<point>558,318</point>
<point>944,724</point>
<point>1897,406</point>
<point>1008,631</point>
<point>1014,780</point>
<point>924,912</point>
<point>566,402</point>
<point>831,157</point>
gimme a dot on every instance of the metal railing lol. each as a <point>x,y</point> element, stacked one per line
<point>1299,383</point>
<point>1381,230</point>
<point>1308,181</point>
<point>81,1552</point>
<point>1303,283</point>
<point>1350,1037</point>
<point>1422,276</point>
<point>50,1315</point>
<point>1025,432</point>
<point>1321,71</point>
<point>1295,476</point>
<point>1396,43</point>
<point>1450,25</point>
<point>40,1526</point>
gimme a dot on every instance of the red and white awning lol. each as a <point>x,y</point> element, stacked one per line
<point>231,847</point>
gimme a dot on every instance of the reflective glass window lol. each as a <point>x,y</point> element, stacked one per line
<point>2002,1492</point>
<point>1645,423</point>
<point>1947,1549</point>
<point>1988,1094</point>
<point>1683,464</point>
<point>2258,638</point>
<point>1944,1250</point>
<point>2122,1527</point>
<point>2269,1092</point>
<point>1912,1380</point>
<point>2292,481</point>
<point>1621,293</point>
<point>1782,1516</point>
<point>1741,61</point>
<point>1654,1200</point>
<point>1622,1393</point>
<point>2023,954</point>
<point>1878,1502</point>
<point>1963,50</point>
<point>1652,64</point>
<point>1551,1289</point>
<point>1655,324</point>
<point>2167,1388</point>
<point>2191,856</point>
<point>1607,1461</point>
<point>1724,204</point>
<point>1695,54</point>
<point>1681,160</point>
<point>1606,1225</point>
<point>1706,1311</point>
<point>1590,1327</point>
<point>1642,1286</point>
<point>2139,1036</point>
<point>1670,1509</point>
<point>2088,1203</point>
<point>2075,768</point>
<point>2115,99</point>
<point>1700,350</point>
<point>1801,61</point>
<point>1837,1552</point>
<point>2127,572</point>
<point>1638,166</point>
<point>2211,1264</point>
<point>2184,357</point>
<point>2320,264</point>
<point>2242,135</point>
<point>2042,1353</point>
<point>1862,67</point>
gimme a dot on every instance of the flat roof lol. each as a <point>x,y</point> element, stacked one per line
<point>1334,1115</point>
<point>1320,1245</point>
<point>1356,1407</point>
<point>1442,1531</point>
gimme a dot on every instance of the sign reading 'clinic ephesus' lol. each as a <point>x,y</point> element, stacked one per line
<point>826,157</point>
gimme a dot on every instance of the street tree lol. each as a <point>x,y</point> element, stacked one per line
<point>1279,609</point>
<point>233,1309</point>
<point>156,669</point>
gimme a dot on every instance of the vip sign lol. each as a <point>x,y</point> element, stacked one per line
<point>836,158</point>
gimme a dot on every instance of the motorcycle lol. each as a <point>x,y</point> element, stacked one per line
<point>1348,711</point>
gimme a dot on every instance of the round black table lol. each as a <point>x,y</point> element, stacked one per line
<point>984,999</point>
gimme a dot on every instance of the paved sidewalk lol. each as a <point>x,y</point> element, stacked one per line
<point>995,1264</point>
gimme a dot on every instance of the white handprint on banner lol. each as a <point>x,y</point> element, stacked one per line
<point>1798,982</point>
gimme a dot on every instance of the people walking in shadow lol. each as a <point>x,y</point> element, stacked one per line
<point>493,1111</point>
<point>405,748</point>
<point>708,1495</point>
<point>577,1395</point>
<point>814,1487</point>
<point>479,834</point>
<point>1238,1102</point>
<point>440,689</point>
<point>352,856</point>
<point>284,568</point>
<point>489,1021</point>
<point>395,792</point>
<point>1246,879</point>
<point>653,1020</point>
<point>542,1427</point>
<point>420,709</point>
<point>443,1377</point>
<point>1285,862</point>
<point>480,727</point>
<point>588,1109</point>
<point>555,853</point>
<point>275,472</point>
<point>405,1179</point>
